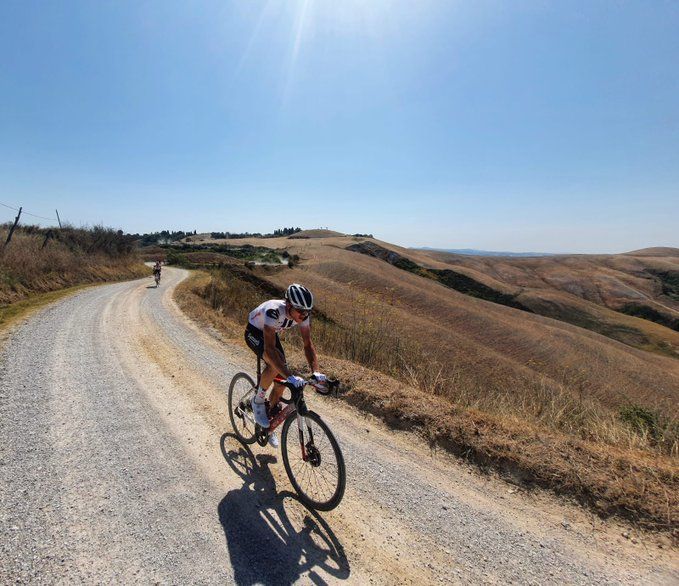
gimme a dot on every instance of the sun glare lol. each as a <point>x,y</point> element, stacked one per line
<point>320,18</point>
<point>308,21</point>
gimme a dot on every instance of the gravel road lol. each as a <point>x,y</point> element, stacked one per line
<point>117,465</point>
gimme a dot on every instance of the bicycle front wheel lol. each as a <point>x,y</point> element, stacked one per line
<point>320,477</point>
<point>241,391</point>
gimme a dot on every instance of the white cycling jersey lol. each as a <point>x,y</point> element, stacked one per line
<point>273,313</point>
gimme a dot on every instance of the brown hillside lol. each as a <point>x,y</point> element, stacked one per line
<point>319,233</point>
<point>487,343</point>
<point>633,299</point>
<point>655,251</point>
<point>550,402</point>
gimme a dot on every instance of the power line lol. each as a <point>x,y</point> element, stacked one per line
<point>26,213</point>
<point>36,216</point>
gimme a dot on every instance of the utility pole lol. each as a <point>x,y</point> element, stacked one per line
<point>11,230</point>
<point>58,218</point>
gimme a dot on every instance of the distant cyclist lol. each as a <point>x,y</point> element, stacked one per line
<point>156,272</point>
<point>261,335</point>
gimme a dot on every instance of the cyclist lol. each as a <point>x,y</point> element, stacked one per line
<point>261,336</point>
<point>156,268</point>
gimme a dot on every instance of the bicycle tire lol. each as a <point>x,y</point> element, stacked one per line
<point>232,403</point>
<point>324,504</point>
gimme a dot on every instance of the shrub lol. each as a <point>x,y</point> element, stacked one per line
<point>642,420</point>
<point>174,258</point>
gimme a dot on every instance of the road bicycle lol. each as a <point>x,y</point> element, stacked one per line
<point>156,276</point>
<point>313,459</point>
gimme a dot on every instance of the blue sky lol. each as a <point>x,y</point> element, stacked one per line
<point>497,125</point>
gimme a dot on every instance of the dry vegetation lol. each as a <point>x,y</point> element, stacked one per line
<point>552,403</point>
<point>35,263</point>
<point>604,293</point>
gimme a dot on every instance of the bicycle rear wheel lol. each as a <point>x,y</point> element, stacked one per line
<point>319,480</point>
<point>241,390</point>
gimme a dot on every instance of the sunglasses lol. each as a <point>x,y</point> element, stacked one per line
<point>303,314</point>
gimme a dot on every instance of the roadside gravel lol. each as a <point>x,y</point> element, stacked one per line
<point>116,467</point>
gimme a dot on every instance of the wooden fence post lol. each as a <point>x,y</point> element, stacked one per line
<point>49,235</point>
<point>11,230</point>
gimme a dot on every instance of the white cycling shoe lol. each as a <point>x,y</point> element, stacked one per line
<point>259,411</point>
<point>274,442</point>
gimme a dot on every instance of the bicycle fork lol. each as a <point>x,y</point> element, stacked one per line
<point>303,444</point>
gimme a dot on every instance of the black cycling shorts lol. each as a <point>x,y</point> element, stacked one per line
<point>254,338</point>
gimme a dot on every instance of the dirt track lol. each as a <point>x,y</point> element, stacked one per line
<point>117,466</point>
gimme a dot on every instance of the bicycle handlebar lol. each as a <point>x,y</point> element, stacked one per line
<point>330,387</point>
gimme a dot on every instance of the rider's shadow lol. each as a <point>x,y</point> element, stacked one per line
<point>266,546</point>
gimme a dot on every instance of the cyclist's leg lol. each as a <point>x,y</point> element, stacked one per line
<point>268,375</point>
<point>278,389</point>
<point>255,341</point>
<point>276,393</point>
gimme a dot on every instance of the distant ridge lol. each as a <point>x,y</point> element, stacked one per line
<point>316,233</point>
<point>474,252</point>
<point>655,251</point>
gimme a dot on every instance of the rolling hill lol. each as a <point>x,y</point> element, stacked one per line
<point>565,328</point>
<point>522,363</point>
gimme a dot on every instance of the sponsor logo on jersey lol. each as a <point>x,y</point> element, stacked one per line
<point>272,313</point>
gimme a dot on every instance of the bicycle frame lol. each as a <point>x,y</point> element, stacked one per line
<point>282,416</point>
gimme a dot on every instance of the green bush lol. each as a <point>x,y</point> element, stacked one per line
<point>642,420</point>
<point>174,258</point>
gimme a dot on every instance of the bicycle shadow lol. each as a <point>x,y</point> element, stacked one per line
<point>272,538</point>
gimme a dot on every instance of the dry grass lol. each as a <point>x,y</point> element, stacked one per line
<point>480,354</point>
<point>611,481</point>
<point>552,436</point>
<point>30,265</point>
<point>570,381</point>
<point>590,291</point>
<point>373,338</point>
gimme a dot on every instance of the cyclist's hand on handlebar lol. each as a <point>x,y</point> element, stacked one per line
<point>319,377</point>
<point>296,381</point>
<point>322,383</point>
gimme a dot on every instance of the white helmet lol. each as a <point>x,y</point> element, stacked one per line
<point>299,297</point>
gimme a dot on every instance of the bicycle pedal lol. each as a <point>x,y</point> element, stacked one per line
<point>262,436</point>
